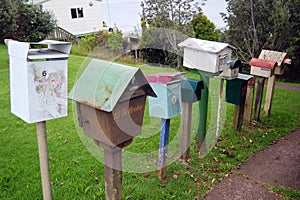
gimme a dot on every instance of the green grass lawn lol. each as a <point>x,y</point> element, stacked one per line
<point>76,173</point>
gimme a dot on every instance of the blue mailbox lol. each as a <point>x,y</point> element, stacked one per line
<point>167,86</point>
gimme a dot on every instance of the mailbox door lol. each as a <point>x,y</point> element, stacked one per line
<point>47,84</point>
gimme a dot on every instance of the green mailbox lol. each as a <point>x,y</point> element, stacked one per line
<point>191,90</point>
<point>236,89</point>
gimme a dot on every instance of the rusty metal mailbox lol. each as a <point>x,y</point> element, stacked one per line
<point>110,101</point>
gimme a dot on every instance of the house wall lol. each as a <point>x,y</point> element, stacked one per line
<point>90,22</point>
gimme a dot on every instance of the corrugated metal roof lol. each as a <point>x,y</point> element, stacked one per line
<point>102,84</point>
<point>273,55</point>
<point>204,45</point>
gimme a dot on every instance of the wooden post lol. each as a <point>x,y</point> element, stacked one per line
<point>44,163</point>
<point>185,130</point>
<point>249,100</point>
<point>219,109</point>
<point>269,95</point>
<point>258,100</point>
<point>203,106</point>
<point>163,148</point>
<point>113,173</point>
<point>238,117</point>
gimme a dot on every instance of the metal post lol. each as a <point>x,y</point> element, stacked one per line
<point>203,106</point>
<point>113,173</point>
<point>185,130</point>
<point>44,163</point>
<point>219,109</point>
<point>163,148</point>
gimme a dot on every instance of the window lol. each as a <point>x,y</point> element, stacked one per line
<point>76,13</point>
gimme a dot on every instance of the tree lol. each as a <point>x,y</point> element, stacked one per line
<point>204,28</point>
<point>254,25</point>
<point>171,17</point>
<point>25,22</point>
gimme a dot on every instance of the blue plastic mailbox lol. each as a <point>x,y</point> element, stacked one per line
<point>167,86</point>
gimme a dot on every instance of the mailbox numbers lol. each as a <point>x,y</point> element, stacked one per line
<point>44,73</point>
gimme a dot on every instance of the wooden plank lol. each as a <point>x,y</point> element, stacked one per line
<point>44,161</point>
<point>113,173</point>
<point>238,117</point>
<point>185,130</point>
<point>264,72</point>
<point>249,101</point>
<point>163,148</point>
<point>269,95</point>
<point>258,100</point>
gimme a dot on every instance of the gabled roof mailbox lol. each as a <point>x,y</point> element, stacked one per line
<point>207,56</point>
<point>110,101</point>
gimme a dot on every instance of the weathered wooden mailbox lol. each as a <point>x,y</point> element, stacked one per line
<point>268,65</point>
<point>190,93</point>
<point>38,90</point>
<point>236,90</point>
<point>212,59</point>
<point>110,102</point>
<point>167,105</point>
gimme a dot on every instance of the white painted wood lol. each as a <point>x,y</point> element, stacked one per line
<point>61,9</point>
<point>263,72</point>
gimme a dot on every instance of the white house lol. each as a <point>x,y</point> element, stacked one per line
<point>77,16</point>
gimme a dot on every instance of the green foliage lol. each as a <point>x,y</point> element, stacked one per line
<point>168,17</point>
<point>204,28</point>
<point>115,42</point>
<point>24,22</point>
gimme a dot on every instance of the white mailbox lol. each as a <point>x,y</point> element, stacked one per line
<point>38,79</point>
<point>207,56</point>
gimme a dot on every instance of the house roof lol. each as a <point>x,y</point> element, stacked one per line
<point>103,83</point>
<point>204,45</point>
